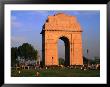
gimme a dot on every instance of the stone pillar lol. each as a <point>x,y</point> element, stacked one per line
<point>51,57</point>
<point>71,50</point>
<point>71,54</point>
<point>78,55</point>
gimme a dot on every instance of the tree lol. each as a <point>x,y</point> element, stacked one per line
<point>85,60</point>
<point>61,61</point>
<point>97,60</point>
<point>27,51</point>
<point>14,55</point>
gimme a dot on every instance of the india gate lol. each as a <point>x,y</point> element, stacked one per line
<point>64,27</point>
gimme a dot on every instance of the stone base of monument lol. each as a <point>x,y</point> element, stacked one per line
<point>75,66</point>
<point>51,66</point>
<point>63,66</point>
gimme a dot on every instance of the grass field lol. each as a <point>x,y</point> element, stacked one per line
<point>59,72</point>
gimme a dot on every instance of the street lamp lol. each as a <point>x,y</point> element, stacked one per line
<point>52,61</point>
<point>88,56</point>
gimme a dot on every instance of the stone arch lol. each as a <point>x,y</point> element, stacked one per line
<point>57,26</point>
<point>67,49</point>
<point>62,36</point>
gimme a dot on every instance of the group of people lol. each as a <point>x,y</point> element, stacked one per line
<point>91,67</point>
<point>82,67</point>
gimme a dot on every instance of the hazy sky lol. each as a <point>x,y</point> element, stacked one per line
<point>27,25</point>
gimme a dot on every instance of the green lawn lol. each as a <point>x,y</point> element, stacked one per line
<point>59,72</point>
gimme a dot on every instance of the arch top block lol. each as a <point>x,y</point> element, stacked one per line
<point>62,21</point>
<point>61,17</point>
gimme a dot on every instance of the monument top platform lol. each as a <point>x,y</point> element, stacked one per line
<point>61,21</point>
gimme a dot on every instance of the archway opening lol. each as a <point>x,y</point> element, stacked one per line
<point>64,51</point>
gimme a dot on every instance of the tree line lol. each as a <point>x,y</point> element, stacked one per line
<point>26,51</point>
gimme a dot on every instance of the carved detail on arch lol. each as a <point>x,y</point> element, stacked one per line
<point>62,22</point>
<point>63,35</point>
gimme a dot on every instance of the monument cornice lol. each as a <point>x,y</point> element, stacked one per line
<point>62,30</point>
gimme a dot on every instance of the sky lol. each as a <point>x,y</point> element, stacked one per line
<point>26,27</point>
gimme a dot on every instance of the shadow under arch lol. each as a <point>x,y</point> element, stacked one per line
<point>67,49</point>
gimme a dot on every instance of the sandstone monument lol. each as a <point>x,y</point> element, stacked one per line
<point>64,27</point>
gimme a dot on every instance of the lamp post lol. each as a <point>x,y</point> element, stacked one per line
<point>88,56</point>
<point>52,61</point>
